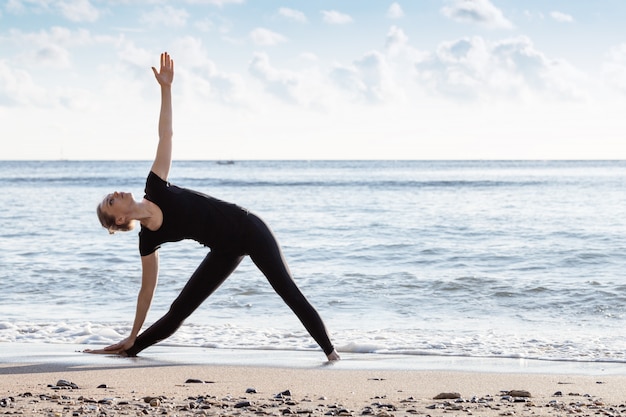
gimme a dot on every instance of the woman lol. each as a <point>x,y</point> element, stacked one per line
<point>169,214</point>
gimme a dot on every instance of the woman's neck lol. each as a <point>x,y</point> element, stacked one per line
<point>149,215</point>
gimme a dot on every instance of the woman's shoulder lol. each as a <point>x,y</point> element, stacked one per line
<point>154,182</point>
<point>152,176</point>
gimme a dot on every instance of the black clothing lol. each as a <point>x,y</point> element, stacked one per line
<point>188,214</point>
<point>231,232</point>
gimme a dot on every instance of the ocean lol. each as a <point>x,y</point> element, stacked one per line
<point>475,259</point>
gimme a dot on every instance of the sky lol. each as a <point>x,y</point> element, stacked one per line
<point>298,79</point>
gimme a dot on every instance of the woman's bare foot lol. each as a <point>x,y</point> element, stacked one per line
<point>333,356</point>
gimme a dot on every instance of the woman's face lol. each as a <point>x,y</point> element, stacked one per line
<point>117,203</point>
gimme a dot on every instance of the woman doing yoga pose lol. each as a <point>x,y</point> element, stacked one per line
<point>168,213</point>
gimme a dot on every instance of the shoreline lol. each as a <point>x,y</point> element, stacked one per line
<point>192,382</point>
<point>58,356</point>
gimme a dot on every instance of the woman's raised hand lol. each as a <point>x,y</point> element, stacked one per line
<point>165,75</point>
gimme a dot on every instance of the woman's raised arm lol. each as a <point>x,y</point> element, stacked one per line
<point>163,158</point>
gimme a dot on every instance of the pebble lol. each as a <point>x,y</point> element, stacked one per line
<point>62,383</point>
<point>519,393</point>
<point>447,396</point>
<point>194,381</point>
<point>283,394</point>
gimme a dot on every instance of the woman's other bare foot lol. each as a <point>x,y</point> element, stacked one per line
<point>333,356</point>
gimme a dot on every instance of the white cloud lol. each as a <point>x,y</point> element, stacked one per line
<point>48,48</point>
<point>79,10</point>
<point>202,76</point>
<point>14,6</point>
<point>138,60</point>
<point>397,45</point>
<point>561,17</point>
<point>291,14</point>
<point>18,87</point>
<point>215,23</point>
<point>481,12</point>
<point>369,79</point>
<point>395,11</point>
<point>614,68</point>
<point>336,18</point>
<point>265,37</point>
<point>167,16</point>
<point>22,6</point>
<point>475,69</point>
<point>279,83</point>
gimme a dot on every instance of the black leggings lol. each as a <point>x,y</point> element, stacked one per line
<point>262,247</point>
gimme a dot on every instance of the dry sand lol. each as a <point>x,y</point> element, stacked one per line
<point>218,390</point>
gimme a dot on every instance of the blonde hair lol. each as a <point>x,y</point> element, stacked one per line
<point>108,222</point>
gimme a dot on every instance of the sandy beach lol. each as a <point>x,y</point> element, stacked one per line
<point>76,384</point>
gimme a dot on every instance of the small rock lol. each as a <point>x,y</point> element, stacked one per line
<point>519,393</point>
<point>107,401</point>
<point>286,393</point>
<point>447,396</point>
<point>242,404</point>
<point>194,381</point>
<point>102,386</point>
<point>68,384</point>
<point>155,402</point>
<point>250,391</point>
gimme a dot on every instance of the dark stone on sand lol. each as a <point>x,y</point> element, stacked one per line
<point>250,391</point>
<point>286,393</point>
<point>197,381</point>
<point>65,384</point>
<point>447,396</point>
<point>388,407</point>
<point>102,386</point>
<point>87,400</point>
<point>107,401</point>
<point>519,393</point>
<point>242,404</point>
